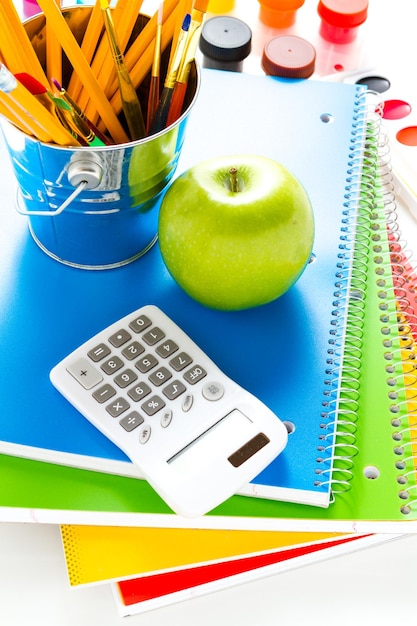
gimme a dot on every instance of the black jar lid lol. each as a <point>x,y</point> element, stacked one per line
<point>225,38</point>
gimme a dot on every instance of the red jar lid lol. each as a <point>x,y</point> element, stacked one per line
<point>289,56</point>
<point>343,13</point>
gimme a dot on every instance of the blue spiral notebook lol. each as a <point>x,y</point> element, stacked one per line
<point>279,352</point>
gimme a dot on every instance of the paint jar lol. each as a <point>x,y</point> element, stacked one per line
<point>221,6</point>
<point>225,43</point>
<point>279,13</point>
<point>95,207</point>
<point>289,56</point>
<point>340,19</point>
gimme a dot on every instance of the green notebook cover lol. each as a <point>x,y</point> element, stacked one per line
<point>373,491</point>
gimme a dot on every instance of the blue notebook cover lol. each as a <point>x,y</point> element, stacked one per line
<point>279,351</point>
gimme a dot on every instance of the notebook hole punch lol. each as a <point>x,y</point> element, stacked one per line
<point>371,472</point>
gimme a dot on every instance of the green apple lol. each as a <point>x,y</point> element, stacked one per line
<point>236,231</point>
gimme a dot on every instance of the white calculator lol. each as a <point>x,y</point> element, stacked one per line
<point>195,434</point>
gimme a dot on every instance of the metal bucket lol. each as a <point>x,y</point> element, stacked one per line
<point>94,207</point>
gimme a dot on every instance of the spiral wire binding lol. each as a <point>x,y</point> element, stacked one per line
<point>399,332</point>
<point>337,441</point>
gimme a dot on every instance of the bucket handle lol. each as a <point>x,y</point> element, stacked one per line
<point>57,211</point>
<point>82,173</point>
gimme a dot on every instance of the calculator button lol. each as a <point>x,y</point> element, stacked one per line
<point>119,338</point>
<point>153,336</point>
<point>112,365</point>
<point>139,324</point>
<point>160,376</point>
<point>213,391</point>
<point>85,373</point>
<point>139,391</point>
<point>166,418</point>
<point>146,363</point>
<point>166,348</point>
<point>187,402</point>
<point>145,434</point>
<point>104,393</point>
<point>180,361</point>
<point>117,407</point>
<point>133,350</point>
<point>153,405</point>
<point>125,378</point>
<point>174,389</point>
<point>131,421</point>
<point>195,374</point>
<point>99,352</point>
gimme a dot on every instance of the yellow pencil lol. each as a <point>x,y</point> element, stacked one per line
<point>144,63</point>
<point>130,101</point>
<point>90,43</point>
<point>21,119</point>
<point>22,100</point>
<point>145,41</point>
<point>27,54</point>
<point>83,69</point>
<point>124,16</point>
<point>53,52</point>
<point>10,46</point>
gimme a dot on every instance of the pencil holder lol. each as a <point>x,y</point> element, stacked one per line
<point>95,207</point>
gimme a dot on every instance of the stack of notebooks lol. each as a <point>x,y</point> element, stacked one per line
<point>334,357</point>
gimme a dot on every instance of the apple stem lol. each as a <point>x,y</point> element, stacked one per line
<point>234,181</point>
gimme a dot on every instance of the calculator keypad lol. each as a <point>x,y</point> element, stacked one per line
<point>142,377</point>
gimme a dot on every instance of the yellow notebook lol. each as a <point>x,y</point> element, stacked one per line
<point>102,553</point>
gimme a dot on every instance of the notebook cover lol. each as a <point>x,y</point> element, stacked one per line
<point>143,594</point>
<point>47,309</point>
<point>94,554</point>
<point>70,495</point>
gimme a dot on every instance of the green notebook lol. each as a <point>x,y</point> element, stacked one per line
<point>374,483</point>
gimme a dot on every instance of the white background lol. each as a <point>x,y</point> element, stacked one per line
<point>375,586</point>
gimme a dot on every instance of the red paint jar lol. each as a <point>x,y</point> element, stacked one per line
<point>340,19</point>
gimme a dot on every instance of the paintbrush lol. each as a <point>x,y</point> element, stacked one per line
<point>21,100</point>
<point>161,115</point>
<point>130,101</point>
<point>156,64</point>
<point>62,109</point>
<point>197,16</point>
<point>65,96</point>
